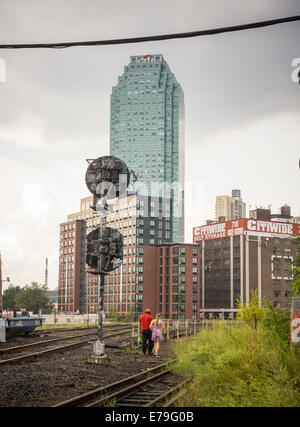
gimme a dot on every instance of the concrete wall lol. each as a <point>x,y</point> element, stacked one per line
<point>69,319</point>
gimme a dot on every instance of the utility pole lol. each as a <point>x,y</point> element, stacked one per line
<point>100,348</point>
<point>1,283</point>
<point>46,273</point>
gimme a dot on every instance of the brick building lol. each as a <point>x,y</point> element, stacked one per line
<point>179,281</point>
<point>70,255</point>
<point>241,255</point>
<point>155,272</point>
<point>164,278</point>
<point>183,281</point>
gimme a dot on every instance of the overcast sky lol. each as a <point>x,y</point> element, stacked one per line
<point>242,120</point>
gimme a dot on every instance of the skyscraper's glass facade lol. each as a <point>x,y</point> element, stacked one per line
<point>147,130</point>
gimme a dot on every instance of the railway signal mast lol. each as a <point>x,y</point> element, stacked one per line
<point>106,178</point>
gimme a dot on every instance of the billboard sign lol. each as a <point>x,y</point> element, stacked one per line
<point>245,227</point>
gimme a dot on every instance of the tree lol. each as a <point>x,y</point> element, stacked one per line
<point>252,312</point>
<point>295,269</point>
<point>9,296</point>
<point>34,298</point>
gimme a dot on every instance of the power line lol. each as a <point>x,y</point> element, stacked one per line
<point>213,31</point>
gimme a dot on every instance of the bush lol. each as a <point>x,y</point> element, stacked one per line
<point>253,312</point>
<point>236,365</point>
<point>279,323</point>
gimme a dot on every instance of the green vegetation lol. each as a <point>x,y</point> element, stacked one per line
<point>253,312</point>
<point>64,326</point>
<point>250,362</point>
<point>109,403</point>
<point>114,315</point>
<point>237,365</point>
<point>9,296</point>
<point>31,298</point>
<point>279,323</point>
<point>295,270</point>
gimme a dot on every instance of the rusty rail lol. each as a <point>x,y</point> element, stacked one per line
<point>51,350</point>
<point>103,394</point>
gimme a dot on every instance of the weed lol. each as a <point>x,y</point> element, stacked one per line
<point>237,365</point>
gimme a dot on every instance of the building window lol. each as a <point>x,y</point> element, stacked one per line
<point>179,308</point>
<point>178,298</point>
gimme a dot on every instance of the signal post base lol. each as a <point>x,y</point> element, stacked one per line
<point>99,356</point>
<point>99,360</point>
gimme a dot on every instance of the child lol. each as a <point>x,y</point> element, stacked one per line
<point>157,336</point>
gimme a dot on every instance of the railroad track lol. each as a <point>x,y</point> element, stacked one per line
<point>154,387</point>
<point>6,350</point>
<point>87,335</point>
<point>22,348</point>
<point>55,330</point>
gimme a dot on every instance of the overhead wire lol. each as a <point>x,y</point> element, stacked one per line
<point>208,32</point>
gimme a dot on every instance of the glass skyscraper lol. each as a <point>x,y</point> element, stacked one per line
<point>147,131</point>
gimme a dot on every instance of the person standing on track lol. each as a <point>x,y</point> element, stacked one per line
<point>146,332</point>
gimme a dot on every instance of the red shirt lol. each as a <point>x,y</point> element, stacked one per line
<point>145,321</point>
